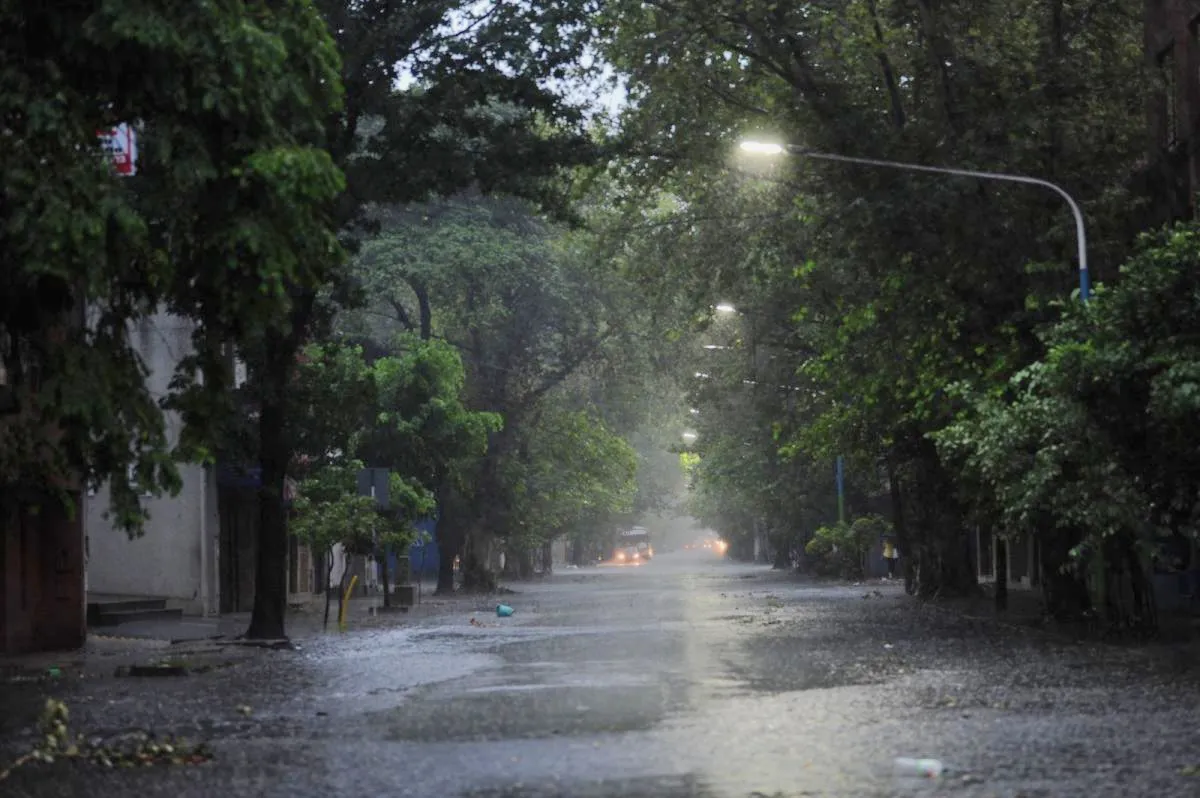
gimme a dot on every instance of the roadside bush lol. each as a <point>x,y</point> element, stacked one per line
<point>840,550</point>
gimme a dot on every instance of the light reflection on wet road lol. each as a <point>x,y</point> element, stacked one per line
<point>685,677</point>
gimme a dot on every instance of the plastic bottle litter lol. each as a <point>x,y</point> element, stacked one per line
<point>924,768</point>
<point>503,610</point>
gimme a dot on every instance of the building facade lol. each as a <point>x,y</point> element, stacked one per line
<point>177,556</point>
<point>41,538</point>
<point>198,551</point>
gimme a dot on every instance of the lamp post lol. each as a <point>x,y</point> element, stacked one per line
<point>763,148</point>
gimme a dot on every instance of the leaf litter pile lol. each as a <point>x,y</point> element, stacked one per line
<point>140,749</point>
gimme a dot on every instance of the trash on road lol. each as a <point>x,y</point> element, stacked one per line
<point>503,610</point>
<point>924,768</point>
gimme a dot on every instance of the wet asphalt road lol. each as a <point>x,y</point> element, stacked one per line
<point>685,677</point>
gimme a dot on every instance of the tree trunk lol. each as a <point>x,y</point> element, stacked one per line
<point>1065,591</point>
<point>344,610</point>
<point>383,575</point>
<point>447,551</point>
<point>525,563</point>
<point>1000,567</point>
<point>477,571</point>
<point>943,557</point>
<point>268,618</point>
<point>328,585</point>
<point>897,500</point>
<point>547,558</point>
<point>450,539</point>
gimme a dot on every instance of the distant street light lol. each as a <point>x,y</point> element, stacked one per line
<point>725,307</point>
<point>766,148</point>
<point>716,346</point>
<point>689,437</point>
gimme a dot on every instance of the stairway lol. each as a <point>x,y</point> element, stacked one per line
<point>115,613</point>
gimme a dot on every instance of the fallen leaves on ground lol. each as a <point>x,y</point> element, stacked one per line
<point>140,749</point>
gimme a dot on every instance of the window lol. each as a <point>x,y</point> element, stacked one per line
<point>1170,106</point>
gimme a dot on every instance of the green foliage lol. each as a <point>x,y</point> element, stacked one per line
<point>337,394</point>
<point>841,549</point>
<point>329,511</point>
<point>211,227</point>
<point>574,476</point>
<point>403,413</point>
<point>421,428</point>
<point>874,289</point>
<point>1095,439</point>
<point>540,324</point>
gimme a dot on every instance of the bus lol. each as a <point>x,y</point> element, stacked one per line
<point>633,546</point>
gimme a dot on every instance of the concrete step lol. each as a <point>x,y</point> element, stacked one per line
<point>114,613</point>
<point>96,608</point>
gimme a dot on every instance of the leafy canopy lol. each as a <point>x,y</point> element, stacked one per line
<point>211,227</point>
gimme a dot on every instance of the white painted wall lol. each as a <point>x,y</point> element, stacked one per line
<point>166,561</point>
<point>370,578</point>
<point>340,563</point>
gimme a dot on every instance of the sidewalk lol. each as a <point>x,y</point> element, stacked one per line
<point>303,621</point>
<point>202,641</point>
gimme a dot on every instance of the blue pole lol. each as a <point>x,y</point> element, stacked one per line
<point>841,490</point>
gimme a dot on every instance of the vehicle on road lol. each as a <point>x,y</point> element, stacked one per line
<point>633,546</point>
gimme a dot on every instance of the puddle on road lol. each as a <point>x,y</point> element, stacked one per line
<point>688,786</point>
<point>375,671</point>
<point>569,676</point>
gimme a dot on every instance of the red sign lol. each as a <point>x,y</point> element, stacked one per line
<point>120,143</point>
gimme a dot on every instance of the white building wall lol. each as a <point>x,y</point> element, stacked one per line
<point>167,561</point>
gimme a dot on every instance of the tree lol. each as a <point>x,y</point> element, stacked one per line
<point>1090,451</point>
<point>212,226</point>
<point>909,283</point>
<point>422,429</point>
<point>573,477</point>
<point>841,549</point>
<point>403,413</point>
<point>525,311</point>
<point>476,113</point>
<point>329,512</point>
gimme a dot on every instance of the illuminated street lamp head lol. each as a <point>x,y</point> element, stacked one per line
<point>725,307</point>
<point>688,437</point>
<point>762,148</point>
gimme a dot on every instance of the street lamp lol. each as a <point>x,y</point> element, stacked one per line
<point>765,148</point>
<point>725,307</point>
